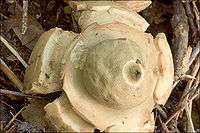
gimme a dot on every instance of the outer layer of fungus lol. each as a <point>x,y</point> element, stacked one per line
<point>114,73</point>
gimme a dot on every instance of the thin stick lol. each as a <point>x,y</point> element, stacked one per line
<point>188,109</point>
<point>10,75</point>
<point>197,14</point>
<point>3,16</point>
<point>19,94</point>
<point>14,117</point>
<point>173,116</point>
<point>183,77</point>
<point>25,16</point>
<point>175,83</point>
<point>196,87</point>
<point>195,95</point>
<point>190,17</point>
<point>194,54</point>
<point>164,127</point>
<point>193,73</point>
<point>15,93</point>
<point>183,101</point>
<point>187,77</point>
<point>5,42</point>
<point>7,105</point>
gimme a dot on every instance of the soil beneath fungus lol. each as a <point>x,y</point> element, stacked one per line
<point>47,14</point>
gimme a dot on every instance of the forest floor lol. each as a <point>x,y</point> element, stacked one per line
<point>23,21</point>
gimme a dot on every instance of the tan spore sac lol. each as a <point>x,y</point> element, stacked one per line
<point>106,96</point>
<point>111,74</point>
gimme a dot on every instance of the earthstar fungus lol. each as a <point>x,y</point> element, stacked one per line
<point>113,73</point>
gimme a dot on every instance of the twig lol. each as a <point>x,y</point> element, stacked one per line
<point>20,94</point>
<point>190,17</point>
<point>175,83</point>
<point>180,28</point>
<point>15,93</point>
<point>188,109</point>
<point>193,73</point>
<point>14,117</point>
<point>7,105</point>
<point>10,75</point>
<point>195,88</point>
<point>174,115</point>
<point>184,77</point>
<point>3,16</point>
<point>11,129</point>
<point>13,51</point>
<point>197,14</point>
<point>194,54</point>
<point>164,127</point>
<point>184,101</point>
<point>195,95</point>
<point>25,16</point>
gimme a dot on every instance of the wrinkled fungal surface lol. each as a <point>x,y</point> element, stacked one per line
<point>112,73</point>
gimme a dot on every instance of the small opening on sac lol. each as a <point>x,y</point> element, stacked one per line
<point>132,72</point>
<point>135,73</point>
